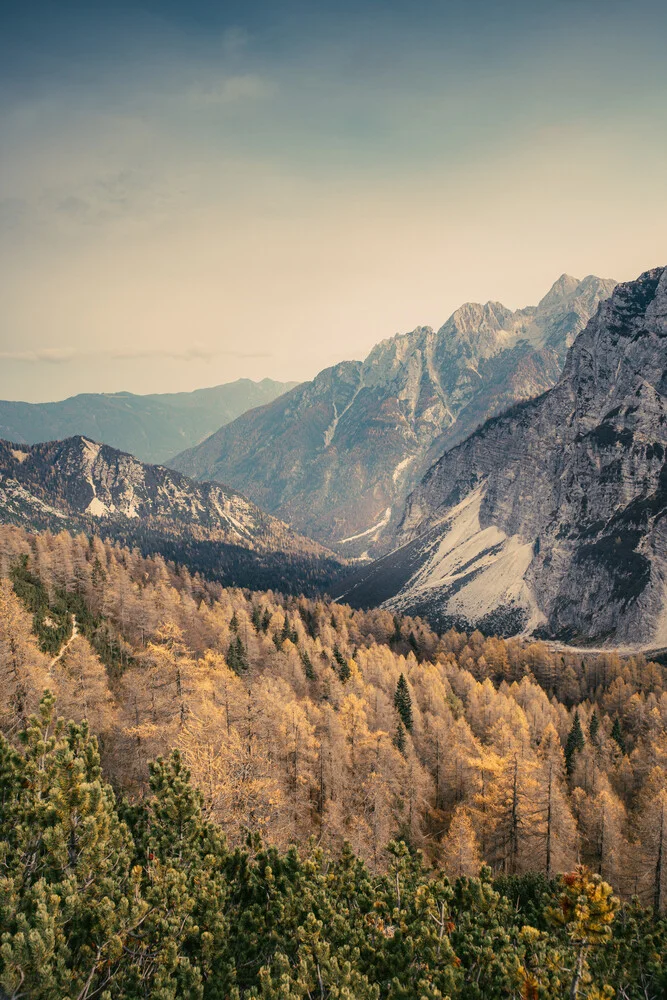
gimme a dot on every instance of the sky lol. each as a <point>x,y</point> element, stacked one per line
<point>196,192</point>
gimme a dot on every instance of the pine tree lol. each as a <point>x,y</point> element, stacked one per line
<point>593,727</point>
<point>575,743</point>
<point>307,666</point>
<point>72,897</point>
<point>343,666</point>
<point>237,659</point>
<point>399,737</point>
<point>586,910</point>
<point>234,623</point>
<point>403,702</point>
<point>617,735</point>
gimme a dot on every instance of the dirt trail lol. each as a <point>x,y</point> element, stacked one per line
<point>65,646</point>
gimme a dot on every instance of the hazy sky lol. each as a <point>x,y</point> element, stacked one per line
<point>194,191</point>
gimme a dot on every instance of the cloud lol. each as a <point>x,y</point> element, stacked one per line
<point>193,353</point>
<point>62,355</point>
<point>51,355</point>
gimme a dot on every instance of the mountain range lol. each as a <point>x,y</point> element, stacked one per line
<point>551,518</point>
<point>80,485</point>
<point>337,456</point>
<point>151,427</point>
<point>546,518</point>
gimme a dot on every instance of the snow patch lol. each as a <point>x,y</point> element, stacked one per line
<point>331,429</point>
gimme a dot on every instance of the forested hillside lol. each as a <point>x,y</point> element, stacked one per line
<point>306,727</point>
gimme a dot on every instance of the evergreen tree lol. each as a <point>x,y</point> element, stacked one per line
<point>593,727</point>
<point>403,702</point>
<point>307,666</point>
<point>586,910</point>
<point>399,737</point>
<point>617,735</point>
<point>575,743</point>
<point>343,666</point>
<point>70,897</point>
<point>288,632</point>
<point>237,659</point>
<point>234,623</point>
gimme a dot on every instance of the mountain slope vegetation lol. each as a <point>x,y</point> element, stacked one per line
<point>171,857</point>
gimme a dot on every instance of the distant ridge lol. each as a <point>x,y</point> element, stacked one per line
<point>151,427</point>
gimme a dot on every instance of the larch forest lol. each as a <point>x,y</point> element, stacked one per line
<point>211,792</point>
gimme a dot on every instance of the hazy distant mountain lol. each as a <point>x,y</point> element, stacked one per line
<point>336,457</point>
<point>78,484</point>
<point>552,518</point>
<point>151,427</point>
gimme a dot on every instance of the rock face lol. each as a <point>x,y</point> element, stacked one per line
<point>551,517</point>
<point>337,457</point>
<point>80,485</point>
<point>151,427</point>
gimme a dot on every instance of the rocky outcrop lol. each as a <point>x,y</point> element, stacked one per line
<point>551,517</point>
<point>337,457</point>
<point>80,485</point>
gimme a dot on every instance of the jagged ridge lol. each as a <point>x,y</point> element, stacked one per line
<point>550,518</point>
<point>79,484</point>
<point>336,457</point>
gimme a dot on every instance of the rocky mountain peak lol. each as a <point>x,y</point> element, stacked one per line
<point>564,288</point>
<point>337,456</point>
<point>552,517</point>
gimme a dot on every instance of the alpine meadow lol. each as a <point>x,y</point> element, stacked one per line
<point>333,575</point>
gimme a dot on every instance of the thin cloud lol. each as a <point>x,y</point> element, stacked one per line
<point>51,355</point>
<point>192,353</point>
<point>62,355</point>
